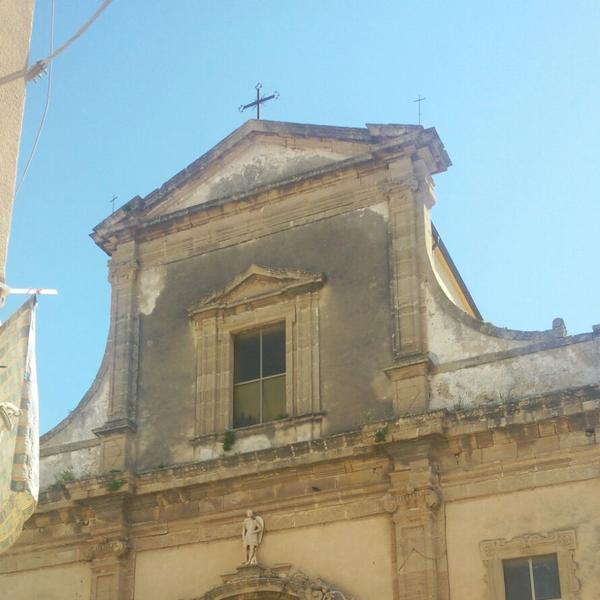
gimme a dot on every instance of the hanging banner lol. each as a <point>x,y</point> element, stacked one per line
<point>19,423</point>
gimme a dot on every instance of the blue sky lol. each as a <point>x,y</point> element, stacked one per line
<point>512,88</point>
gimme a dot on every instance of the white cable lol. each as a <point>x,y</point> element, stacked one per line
<point>46,105</point>
<point>40,66</point>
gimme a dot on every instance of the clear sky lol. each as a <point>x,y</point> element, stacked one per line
<point>512,88</point>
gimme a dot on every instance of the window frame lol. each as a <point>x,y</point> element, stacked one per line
<point>562,543</point>
<point>530,560</point>
<point>257,298</point>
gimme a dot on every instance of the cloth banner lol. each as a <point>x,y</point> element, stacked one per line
<point>19,426</point>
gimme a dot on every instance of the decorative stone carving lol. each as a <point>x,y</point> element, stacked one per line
<point>428,498</point>
<point>528,543</point>
<point>107,549</point>
<point>8,412</point>
<point>252,534</point>
<point>251,580</point>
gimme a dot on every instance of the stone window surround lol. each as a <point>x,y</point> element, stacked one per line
<point>562,543</point>
<point>268,296</point>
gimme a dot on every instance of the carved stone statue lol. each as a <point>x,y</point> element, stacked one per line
<point>8,412</point>
<point>252,533</point>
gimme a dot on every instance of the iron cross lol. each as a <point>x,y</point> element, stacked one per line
<point>259,100</point>
<point>419,100</point>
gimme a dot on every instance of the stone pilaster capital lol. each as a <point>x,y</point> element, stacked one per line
<point>122,272</point>
<point>106,549</point>
<point>429,499</point>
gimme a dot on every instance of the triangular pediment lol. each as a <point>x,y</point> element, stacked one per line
<point>254,163</point>
<point>259,156</point>
<point>258,284</point>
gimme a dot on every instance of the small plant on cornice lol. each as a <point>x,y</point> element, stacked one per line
<point>62,478</point>
<point>281,417</point>
<point>381,434</point>
<point>114,484</point>
<point>458,405</point>
<point>228,440</point>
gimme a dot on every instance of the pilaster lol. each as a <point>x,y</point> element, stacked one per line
<point>112,563</point>
<point>117,432</point>
<point>410,196</point>
<point>415,505</point>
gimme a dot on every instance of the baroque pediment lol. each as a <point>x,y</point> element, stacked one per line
<point>257,285</point>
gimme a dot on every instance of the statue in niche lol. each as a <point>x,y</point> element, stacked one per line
<point>252,533</point>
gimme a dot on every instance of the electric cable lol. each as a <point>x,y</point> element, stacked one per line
<point>40,66</point>
<point>46,105</point>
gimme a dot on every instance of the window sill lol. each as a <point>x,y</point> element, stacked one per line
<point>290,430</point>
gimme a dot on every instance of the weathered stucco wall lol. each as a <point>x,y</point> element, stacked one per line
<point>517,377</point>
<point>90,413</point>
<point>80,462</point>
<point>351,250</point>
<point>353,556</point>
<point>69,582</point>
<point>505,516</point>
<point>450,338</point>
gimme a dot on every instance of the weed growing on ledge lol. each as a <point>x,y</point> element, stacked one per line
<point>381,434</point>
<point>228,440</point>
<point>62,478</point>
<point>114,484</point>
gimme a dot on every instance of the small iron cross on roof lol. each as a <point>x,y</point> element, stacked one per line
<point>259,100</point>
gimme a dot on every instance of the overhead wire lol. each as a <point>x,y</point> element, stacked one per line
<point>46,104</point>
<point>40,66</point>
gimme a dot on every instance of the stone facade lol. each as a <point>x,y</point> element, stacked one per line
<point>420,446</point>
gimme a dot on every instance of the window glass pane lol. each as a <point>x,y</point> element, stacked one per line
<point>246,404</point>
<point>246,356</point>
<point>545,577</point>
<point>517,583</point>
<point>274,398</point>
<point>273,350</point>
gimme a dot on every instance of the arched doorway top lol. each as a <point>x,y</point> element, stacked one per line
<point>255,582</point>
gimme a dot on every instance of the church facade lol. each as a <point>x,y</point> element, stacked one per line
<point>300,399</point>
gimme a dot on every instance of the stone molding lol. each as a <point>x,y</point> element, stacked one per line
<point>562,543</point>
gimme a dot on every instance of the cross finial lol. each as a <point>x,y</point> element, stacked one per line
<point>419,100</point>
<point>113,202</point>
<point>259,100</point>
